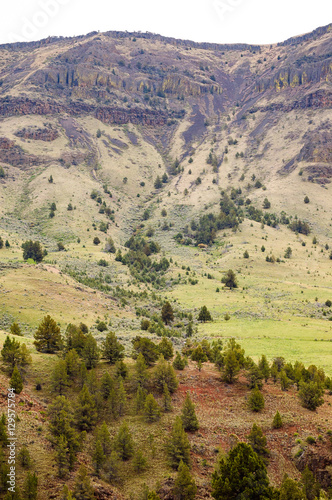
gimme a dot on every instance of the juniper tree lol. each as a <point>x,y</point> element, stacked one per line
<point>167,314</point>
<point>204,315</point>
<point>311,488</point>
<point>15,329</point>
<point>106,385</point>
<point>83,489</point>
<point>178,446</point>
<point>151,409</point>
<point>141,374</point>
<point>263,365</point>
<point>90,352</point>
<point>24,458</point>
<point>277,421</point>
<point>164,374</point>
<point>30,488</point>
<point>85,413</point>
<point>112,350</point>
<point>122,399</point>
<point>199,356</point>
<point>62,456</point>
<point>165,348</point>
<point>258,441</point>
<point>98,457</point>
<point>140,398</point>
<point>184,485</point>
<point>179,362</point>
<point>16,381</point>
<point>188,415</point>
<point>140,463</point>
<point>311,394</point>
<point>123,443</point>
<point>121,369</point>
<point>103,435</point>
<point>112,467</point>
<point>289,490</point>
<point>256,400</point>
<point>72,361</point>
<point>60,381</point>
<point>167,400</point>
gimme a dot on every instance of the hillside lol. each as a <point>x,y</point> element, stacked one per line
<point>147,167</point>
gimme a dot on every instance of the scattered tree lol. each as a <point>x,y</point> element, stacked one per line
<point>178,446</point>
<point>277,421</point>
<point>256,400</point>
<point>16,381</point>
<point>184,486</point>
<point>151,409</point>
<point>48,337</point>
<point>167,314</point>
<point>204,315</point>
<point>33,250</point>
<point>113,351</point>
<point>258,441</point>
<point>311,394</point>
<point>230,280</point>
<point>188,415</point>
<point>123,443</point>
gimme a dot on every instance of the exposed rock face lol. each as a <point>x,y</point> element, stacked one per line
<point>14,155</point>
<point>319,463</point>
<point>45,134</point>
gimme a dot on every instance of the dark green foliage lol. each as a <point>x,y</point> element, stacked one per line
<point>13,353</point>
<point>15,329</point>
<point>158,182</point>
<point>59,380</point>
<point>165,348</point>
<point>277,421</point>
<point>264,367</point>
<point>1,242</point>
<point>178,446</point>
<point>109,246</point>
<point>284,381</point>
<point>256,400</point>
<point>167,314</point>
<point>233,361</point>
<point>121,369</point>
<point>164,374</point>
<point>140,398</point>
<point>112,349</point>
<point>32,250</point>
<point>73,363</point>
<point>266,203</point>
<point>242,475</point>
<point>96,240</point>
<point>3,431</point>
<point>98,457</point>
<point>85,413</point>
<point>167,400</point>
<point>299,226</point>
<point>290,490</point>
<point>2,173</point>
<point>113,467</point>
<point>230,280</point>
<point>104,437</point>
<point>101,326</point>
<point>306,199</point>
<point>258,441</point>
<point>311,394</point>
<point>184,485</point>
<point>123,443</point>
<point>30,488</point>
<point>83,489</point>
<point>254,375</point>
<point>48,337</point>
<point>188,415</point>
<point>148,349</point>
<point>246,254</point>
<point>16,381</point>
<point>90,352</point>
<point>204,315</point>
<point>199,356</point>
<point>75,338</point>
<point>179,363</point>
<point>141,266</point>
<point>151,409</point>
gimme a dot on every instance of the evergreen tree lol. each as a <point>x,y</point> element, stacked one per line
<point>112,349</point>
<point>72,361</point>
<point>140,463</point>
<point>123,443</point>
<point>242,474</point>
<point>204,315</point>
<point>113,467</point>
<point>310,394</point>
<point>15,329</point>
<point>90,352</point>
<point>145,346</point>
<point>121,369</point>
<point>75,337</point>
<point>48,337</point>
<point>179,362</point>
<point>62,456</point>
<point>231,367</point>
<point>83,489</point>
<point>164,374</point>
<point>184,485</point>
<point>258,441</point>
<point>188,416</point>
<point>290,490</point>
<point>230,280</point>
<point>151,409</point>
<point>254,376</point>
<point>178,446</point>
<point>98,457</point>
<point>13,353</point>
<point>141,374</point>
<point>311,488</point>
<point>199,356</point>
<point>167,314</point>
<point>140,399</point>
<point>122,399</point>
<point>167,400</point>
<point>30,487</point>
<point>104,437</point>
<point>263,365</point>
<point>16,381</point>
<point>3,431</point>
<point>284,381</point>
<point>256,400</point>
<point>158,183</point>
<point>166,348</point>
<point>24,458</point>
<point>86,414</point>
<point>277,421</point>
<point>106,385</point>
<point>60,381</point>
<point>33,250</point>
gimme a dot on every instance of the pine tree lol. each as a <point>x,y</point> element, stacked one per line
<point>60,381</point>
<point>140,463</point>
<point>166,348</point>
<point>263,365</point>
<point>184,485</point>
<point>3,431</point>
<point>123,442</point>
<point>311,488</point>
<point>16,381</point>
<point>188,416</point>
<point>284,381</point>
<point>73,362</point>
<point>140,399</point>
<point>121,369</point>
<point>141,375</point>
<point>164,374</point>
<point>98,457</point>
<point>290,490</point>
<point>48,337</point>
<point>256,400</point>
<point>15,329</point>
<point>151,409</point>
<point>90,352</point>
<point>86,414</point>
<point>103,435</point>
<point>30,487</point>
<point>242,474</point>
<point>113,467</point>
<point>11,353</point>
<point>231,366</point>
<point>178,446</point>
<point>199,356</point>
<point>112,349</point>
<point>254,376</point>
<point>167,314</point>
<point>204,315</point>
<point>122,399</point>
<point>179,362</point>
<point>311,394</point>
<point>277,421</point>
<point>167,400</point>
<point>24,458</point>
<point>62,456</point>
<point>83,489</point>
<point>258,441</point>
<point>106,385</point>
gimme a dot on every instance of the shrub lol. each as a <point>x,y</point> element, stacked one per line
<point>33,250</point>
<point>96,240</point>
<point>306,199</point>
<point>277,421</point>
<point>256,400</point>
